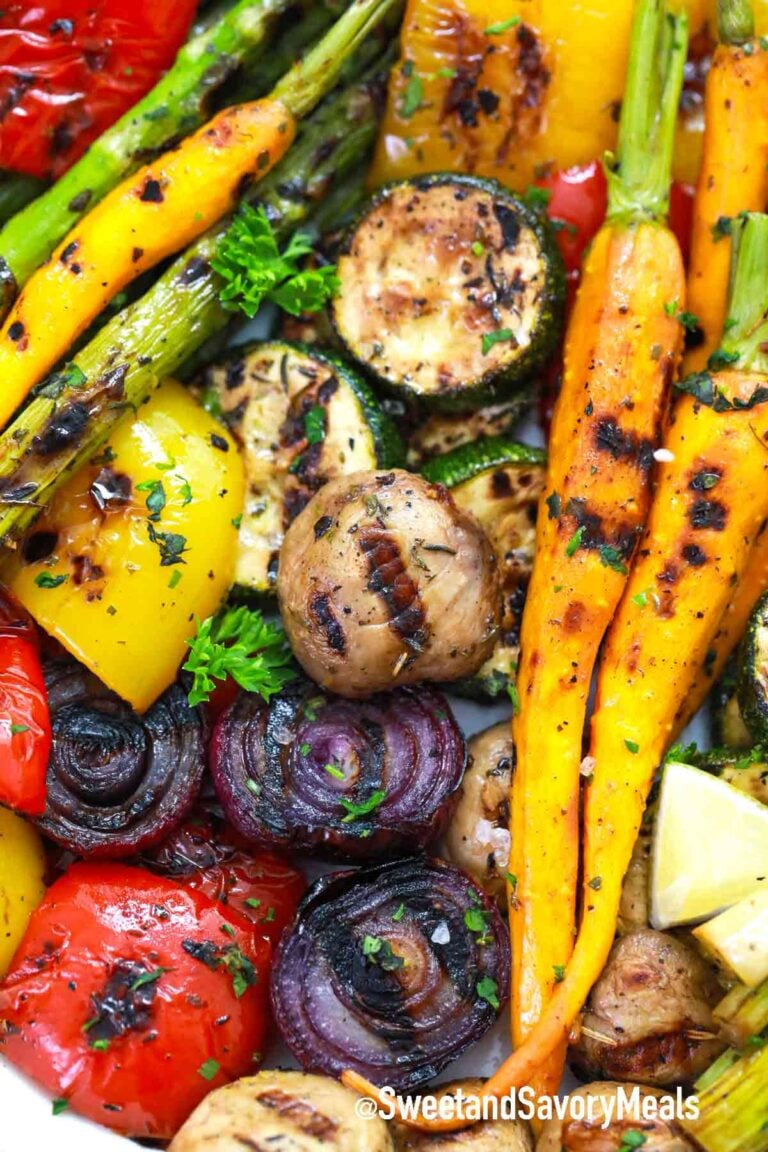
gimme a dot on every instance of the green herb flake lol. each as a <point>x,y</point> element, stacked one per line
<point>208,1069</point>
<point>45,580</point>
<point>478,249</point>
<point>59,1105</point>
<point>379,951</point>
<point>574,543</point>
<point>252,902</point>
<point>611,558</point>
<point>314,424</point>
<point>17,729</point>
<point>399,913</point>
<point>640,599</point>
<point>186,494</point>
<point>334,771</point>
<point>156,498</point>
<point>538,198</point>
<point>595,883</point>
<point>500,336</point>
<point>241,644</point>
<point>99,1045</point>
<point>148,978</point>
<point>175,578</point>
<point>514,696</point>
<point>254,269</point>
<point>632,1139</point>
<point>632,747</point>
<point>488,990</point>
<point>559,971</point>
<point>413,96</point>
<point>501,26</point>
<point>355,810</point>
<point>237,521</point>
<point>446,73</point>
<point>172,545</point>
<point>304,749</point>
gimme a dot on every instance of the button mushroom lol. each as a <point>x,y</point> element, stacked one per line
<point>477,838</point>
<point>384,581</point>
<point>289,1110</point>
<point>594,1124</point>
<point>649,1016</point>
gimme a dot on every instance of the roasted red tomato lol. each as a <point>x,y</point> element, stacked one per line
<point>209,856</point>
<point>70,68</point>
<point>25,726</point>
<point>131,996</point>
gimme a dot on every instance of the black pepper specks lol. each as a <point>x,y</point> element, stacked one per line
<point>151,193</point>
<point>16,331</point>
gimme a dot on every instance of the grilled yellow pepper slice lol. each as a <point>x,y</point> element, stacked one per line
<point>138,544</point>
<point>22,866</point>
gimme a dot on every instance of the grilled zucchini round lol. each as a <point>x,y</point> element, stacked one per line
<point>451,288</point>
<point>753,672</point>
<point>302,417</point>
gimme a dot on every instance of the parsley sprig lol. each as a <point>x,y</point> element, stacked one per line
<point>254,269</point>
<point>241,644</point>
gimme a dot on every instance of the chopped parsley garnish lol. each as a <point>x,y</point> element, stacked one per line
<point>574,543</point>
<point>498,337</point>
<point>229,957</point>
<point>186,493</point>
<point>156,499</point>
<point>17,729</point>
<point>413,94</point>
<point>45,580</point>
<point>241,644</point>
<point>100,1045</point>
<point>354,810</point>
<point>595,883</point>
<point>254,269</point>
<point>252,902</point>
<point>488,990</point>
<point>171,544</point>
<point>59,1105</point>
<point>379,951</point>
<point>559,971</point>
<point>399,913</point>
<point>175,578</point>
<point>632,1139</point>
<point>335,771</point>
<point>537,197</point>
<point>476,920</point>
<point>208,1069</point>
<point>501,26</point>
<point>314,424</point>
<point>632,747</point>
<point>304,749</point>
<point>514,697</point>
<point>148,978</point>
<point>611,558</point>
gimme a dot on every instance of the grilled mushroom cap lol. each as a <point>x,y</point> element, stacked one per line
<point>384,581</point>
<point>650,1012</point>
<point>477,838</point>
<point>290,1110</point>
<point>584,1129</point>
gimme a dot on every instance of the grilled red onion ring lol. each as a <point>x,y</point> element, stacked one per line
<point>353,778</point>
<point>117,782</point>
<point>392,971</point>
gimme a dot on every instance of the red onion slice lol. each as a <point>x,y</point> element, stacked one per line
<point>393,971</point>
<point>311,771</point>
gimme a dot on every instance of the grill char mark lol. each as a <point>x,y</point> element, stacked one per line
<point>389,579</point>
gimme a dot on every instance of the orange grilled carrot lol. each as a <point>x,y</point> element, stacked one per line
<point>621,351</point>
<point>730,630</point>
<point>152,214</point>
<point>700,534</point>
<point>733,176</point>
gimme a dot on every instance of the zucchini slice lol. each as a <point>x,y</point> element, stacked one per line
<point>726,723</point>
<point>301,417</point>
<point>441,432</point>
<point>451,288</point>
<point>753,672</point>
<point>499,482</point>
<point>747,771</point>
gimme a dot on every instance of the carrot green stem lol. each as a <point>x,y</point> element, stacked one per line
<point>745,339</point>
<point>735,21</point>
<point>639,175</point>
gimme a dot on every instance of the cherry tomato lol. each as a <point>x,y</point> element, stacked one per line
<point>681,199</point>
<point>132,996</point>
<point>25,725</point>
<point>577,202</point>
<point>209,856</point>
<point>70,68</point>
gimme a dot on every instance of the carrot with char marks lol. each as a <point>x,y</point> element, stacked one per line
<point>158,210</point>
<point>696,548</point>
<point>622,348</point>
<point>733,177</point>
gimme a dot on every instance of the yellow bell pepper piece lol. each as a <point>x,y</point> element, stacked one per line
<point>475,91</point>
<point>136,545</point>
<point>22,867</point>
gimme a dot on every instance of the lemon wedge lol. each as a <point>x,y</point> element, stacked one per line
<point>738,938</point>
<point>710,847</point>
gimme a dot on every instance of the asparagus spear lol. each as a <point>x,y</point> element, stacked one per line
<point>76,409</point>
<point>174,107</point>
<point>733,1103</point>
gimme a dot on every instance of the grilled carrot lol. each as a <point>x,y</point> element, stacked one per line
<point>733,176</point>
<point>622,347</point>
<point>730,630</point>
<point>152,214</point>
<point>698,542</point>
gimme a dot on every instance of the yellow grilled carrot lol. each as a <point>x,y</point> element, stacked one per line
<point>622,347</point>
<point>733,176</point>
<point>152,214</point>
